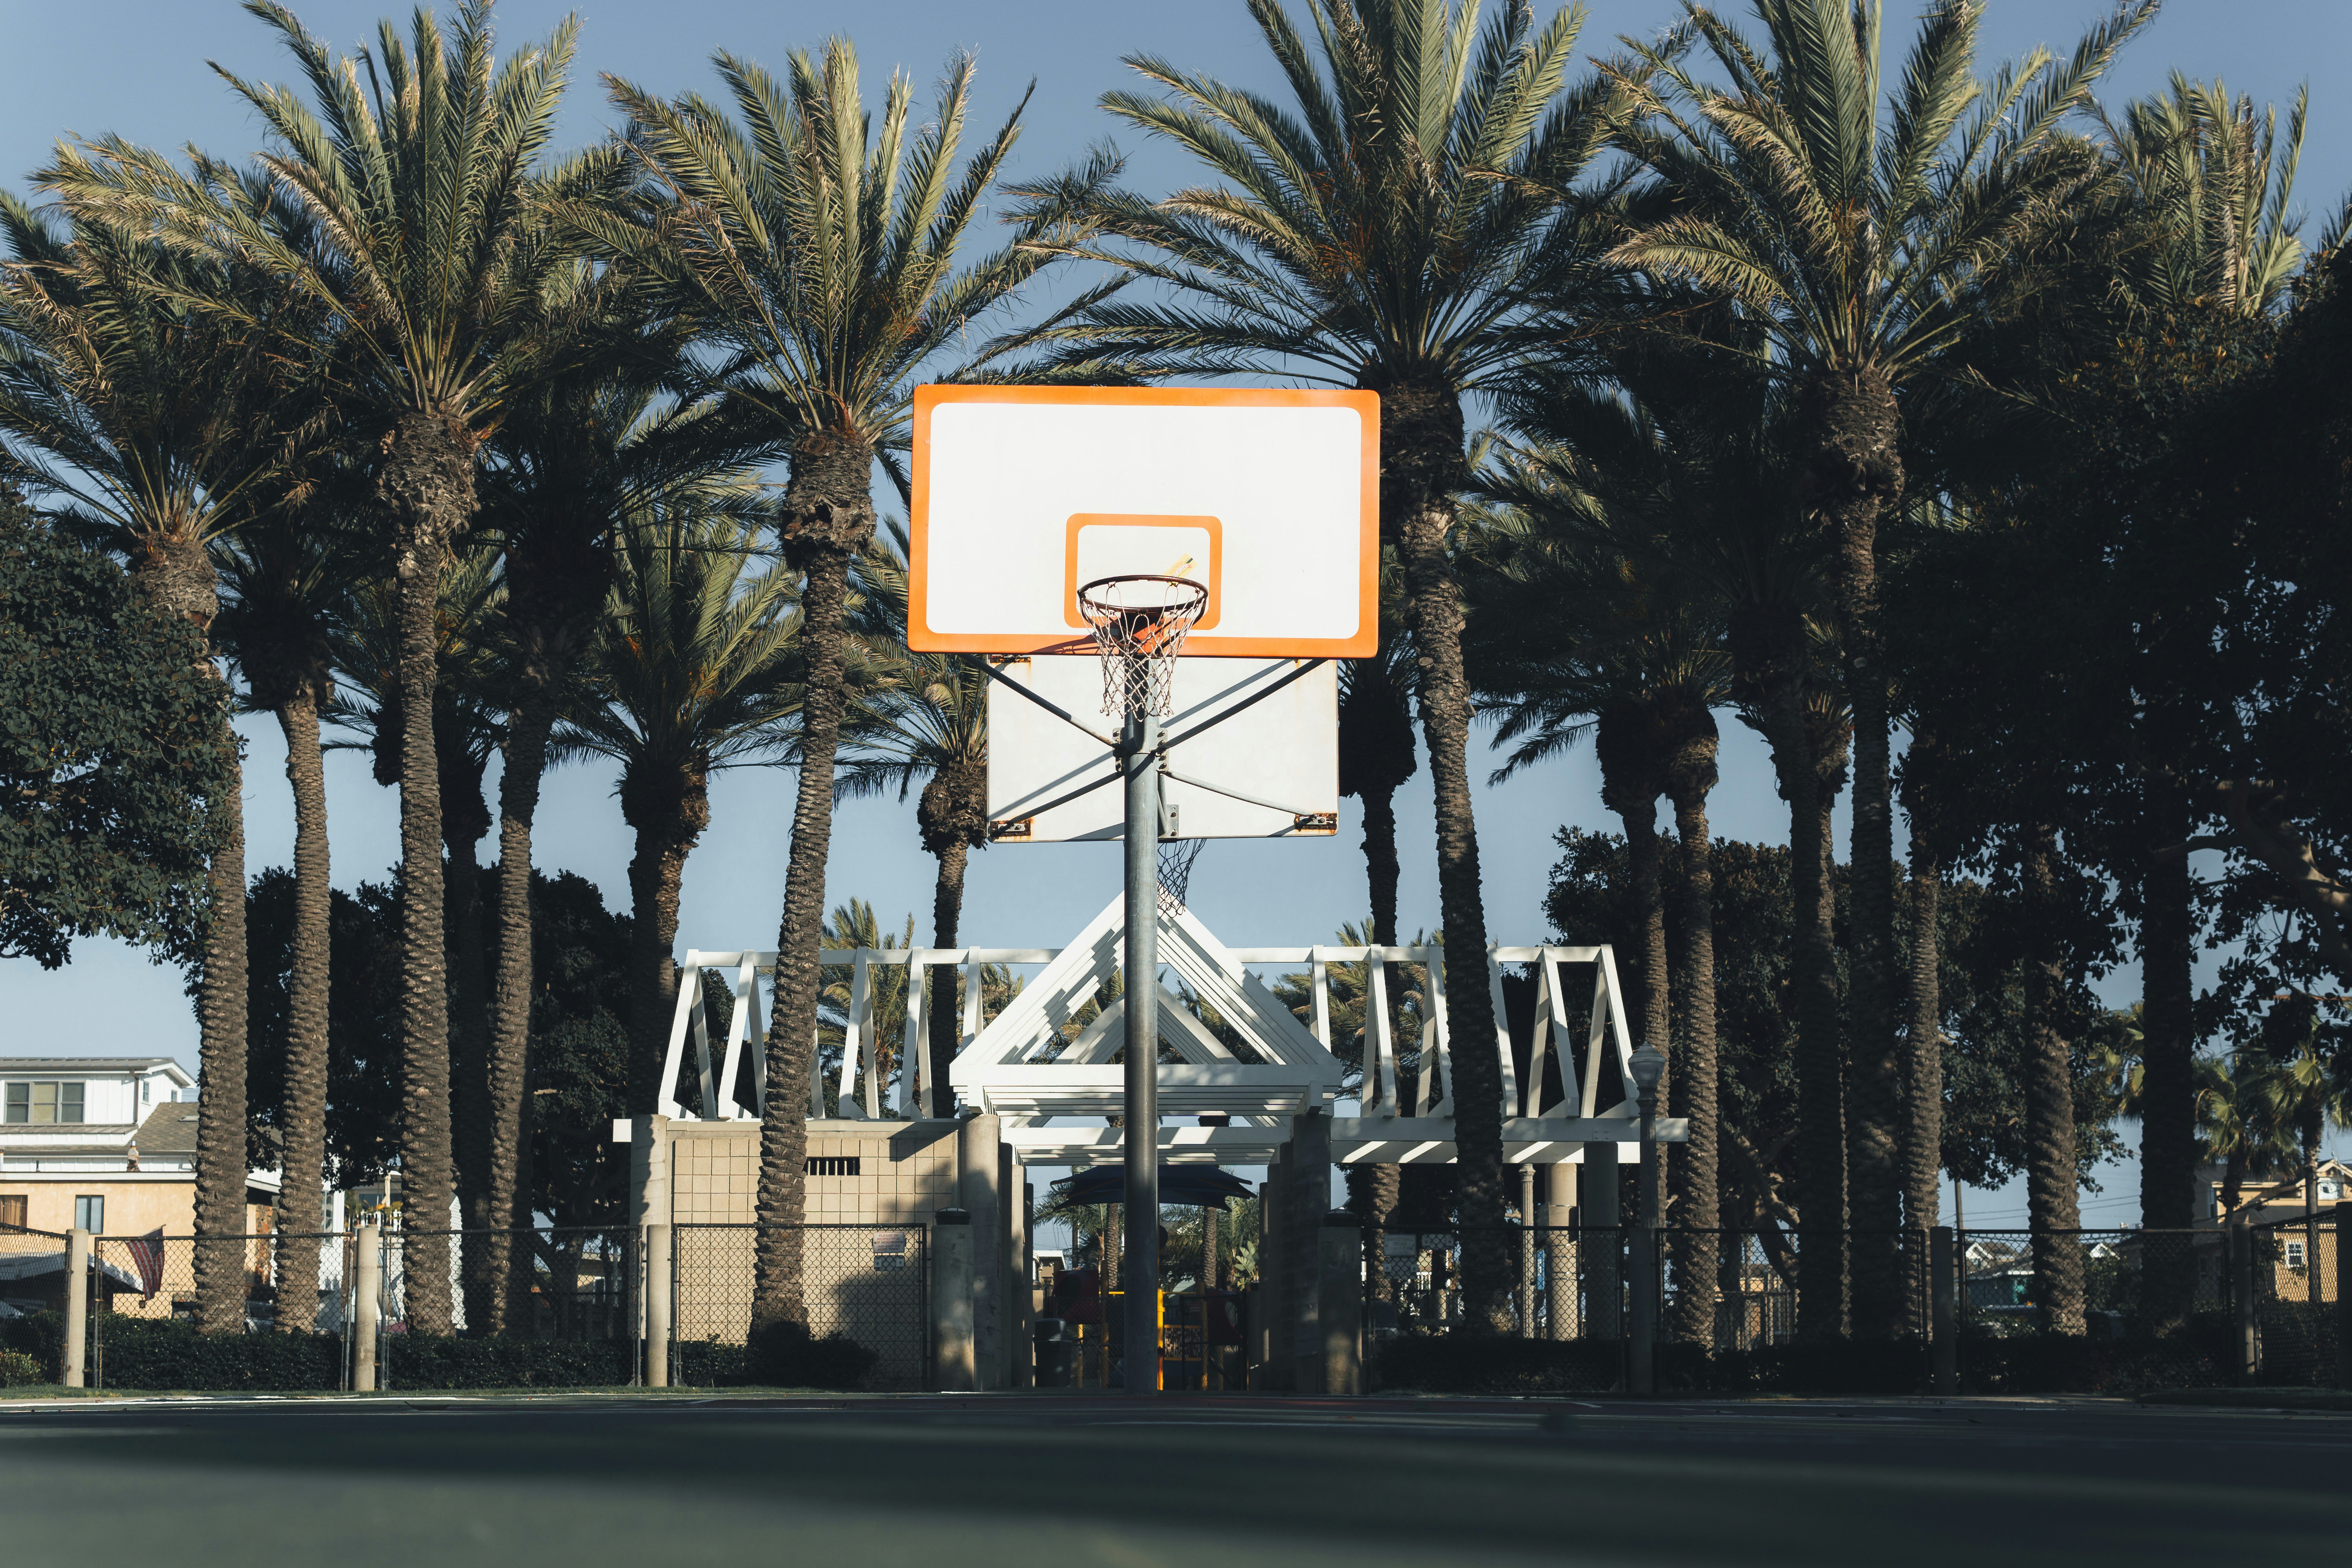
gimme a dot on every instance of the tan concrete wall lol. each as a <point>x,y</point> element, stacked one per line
<point>907,1171</point>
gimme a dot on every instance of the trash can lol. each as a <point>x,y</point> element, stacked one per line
<point>1057,1358</point>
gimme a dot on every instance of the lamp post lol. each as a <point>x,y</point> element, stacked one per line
<point>1649,1065</point>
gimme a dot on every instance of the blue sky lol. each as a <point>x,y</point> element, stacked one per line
<point>139,69</point>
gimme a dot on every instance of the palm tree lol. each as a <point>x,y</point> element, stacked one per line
<point>820,245</point>
<point>698,670</point>
<point>153,427</point>
<point>1571,633</point>
<point>854,926</point>
<point>2203,195</point>
<point>1860,234</point>
<point>1377,755</point>
<point>421,233</point>
<point>571,459</point>
<point>289,575</point>
<point>1387,229</point>
<point>929,724</point>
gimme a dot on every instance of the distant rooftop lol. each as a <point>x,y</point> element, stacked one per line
<point>9,1065</point>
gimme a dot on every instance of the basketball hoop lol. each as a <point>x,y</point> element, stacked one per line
<point>1139,622</point>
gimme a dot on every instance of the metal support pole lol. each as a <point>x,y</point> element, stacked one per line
<point>1943,1336</point>
<point>2241,1280</point>
<point>77,1305</point>
<point>659,1281</point>
<point>1138,749</point>
<point>1528,1223</point>
<point>367,1300</point>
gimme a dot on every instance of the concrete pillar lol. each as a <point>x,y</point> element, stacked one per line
<point>77,1307</point>
<point>1270,1337</point>
<point>367,1303</point>
<point>660,1280</point>
<point>953,1367</point>
<point>1339,1302</point>
<point>979,1194</point>
<point>1307,1200</point>
<point>1559,1212</point>
<point>1943,1329</point>
<point>1021,1340</point>
<point>2248,1348</point>
<point>1604,1288</point>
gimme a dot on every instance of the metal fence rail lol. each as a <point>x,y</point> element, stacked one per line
<point>868,1283</point>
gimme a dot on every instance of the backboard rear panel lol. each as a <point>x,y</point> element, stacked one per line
<point>1283,752</point>
<point>1023,494</point>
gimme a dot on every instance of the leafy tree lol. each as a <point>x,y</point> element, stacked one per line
<point>118,770</point>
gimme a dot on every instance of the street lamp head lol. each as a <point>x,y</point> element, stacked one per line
<point>1649,1065</point>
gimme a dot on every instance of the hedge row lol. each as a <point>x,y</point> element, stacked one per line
<point>2196,1356</point>
<point>139,1353</point>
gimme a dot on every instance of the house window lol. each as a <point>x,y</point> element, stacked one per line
<point>42,1103</point>
<point>90,1215</point>
<point>2294,1255</point>
<point>146,1089</point>
<point>12,1209</point>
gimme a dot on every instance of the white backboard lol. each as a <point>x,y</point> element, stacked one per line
<point>1024,494</point>
<point>1282,752</point>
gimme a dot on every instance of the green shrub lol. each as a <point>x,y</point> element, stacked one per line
<point>786,1355</point>
<point>18,1370</point>
<point>446,1361</point>
<point>40,1335</point>
<point>1478,1364</point>
<point>139,1353</point>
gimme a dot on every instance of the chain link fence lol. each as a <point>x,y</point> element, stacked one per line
<point>869,1284</point>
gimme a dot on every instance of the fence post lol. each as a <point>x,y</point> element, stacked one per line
<point>1943,1334</point>
<point>367,1302</point>
<point>1604,1289</point>
<point>1339,1285</point>
<point>2344,1292</point>
<point>658,1282</point>
<point>1641,1373</point>
<point>2241,1288</point>
<point>77,1305</point>
<point>952,1339</point>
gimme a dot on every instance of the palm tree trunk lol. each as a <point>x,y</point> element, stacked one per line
<point>2051,1181</point>
<point>305,1154</point>
<point>1814,1003</point>
<point>465,818</point>
<point>946,920</point>
<point>176,576</point>
<point>1374,1189</point>
<point>668,827</point>
<point>428,481</point>
<point>509,1045</point>
<point>1855,472</point>
<point>1696,1170</point>
<point>221,1162</point>
<point>1923,1138</point>
<point>2167,1047</point>
<point>1420,465</point>
<point>829,518</point>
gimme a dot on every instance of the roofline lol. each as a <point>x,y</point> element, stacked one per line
<point>168,1066</point>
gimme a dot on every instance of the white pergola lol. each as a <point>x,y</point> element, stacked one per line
<point>1044,1076</point>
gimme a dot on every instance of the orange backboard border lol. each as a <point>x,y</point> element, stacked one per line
<point>1362,644</point>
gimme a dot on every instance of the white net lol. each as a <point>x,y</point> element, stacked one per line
<point>1176,857</point>
<point>1140,623</point>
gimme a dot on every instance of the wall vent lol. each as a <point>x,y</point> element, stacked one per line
<point>832,1164</point>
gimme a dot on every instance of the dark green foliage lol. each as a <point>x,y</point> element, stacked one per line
<point>114,744</point>
<point>438,1361</point>
<point>1468,1364</point>
<point>18,1370</point>
<point>1983,993</point>
<point>579,1035</point>
<point>786,1355</point>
